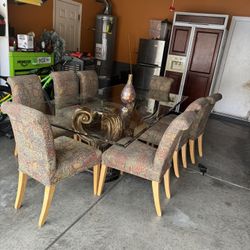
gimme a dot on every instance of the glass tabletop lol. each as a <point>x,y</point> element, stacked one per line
<point>104,119</point>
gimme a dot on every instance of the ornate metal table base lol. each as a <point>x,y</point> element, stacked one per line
<point>108,122</point>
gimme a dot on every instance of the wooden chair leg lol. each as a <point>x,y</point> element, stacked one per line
<point>167,184</point>
<point>102,179</point>
<point>184,155</point>
<point>96,178</point>
<point>22,182</point>
<point>175,163</point>
<point>200,140</point>
<point>15,151</point>
<point>156,194</point>
<point>76,137</point>
<point>48,196</point>
<point>191,150</point>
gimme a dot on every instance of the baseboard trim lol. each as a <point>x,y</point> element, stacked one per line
<point>230,119</point>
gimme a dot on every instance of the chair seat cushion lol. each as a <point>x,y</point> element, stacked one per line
<point>73,157</point>
<point>137,159</point>
<point>154,134</point>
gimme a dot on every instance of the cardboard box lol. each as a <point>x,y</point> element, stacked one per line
<point>25,42</point>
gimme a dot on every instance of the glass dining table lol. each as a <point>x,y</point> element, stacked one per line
<point>104,120</point>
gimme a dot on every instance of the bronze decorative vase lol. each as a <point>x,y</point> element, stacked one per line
<point>128,92</point>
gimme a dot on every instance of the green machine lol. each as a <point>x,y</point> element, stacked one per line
<point>23,63</point>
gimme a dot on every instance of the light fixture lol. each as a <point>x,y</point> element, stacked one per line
<point>33,2</point>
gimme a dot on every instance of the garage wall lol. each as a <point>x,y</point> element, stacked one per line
<point>26,18</point>
<point>133,18</point>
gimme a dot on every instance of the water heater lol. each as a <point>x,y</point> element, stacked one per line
<point>105,34</point>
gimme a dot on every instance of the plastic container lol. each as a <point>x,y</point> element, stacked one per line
<point>159,29</point>
<point>155,29</point>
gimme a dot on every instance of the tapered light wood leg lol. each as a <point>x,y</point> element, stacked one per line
<point>156,194</point>
<point>191,150</point>
<point>184,155</point>
<point>48,196</point>
<point>167,184</point>
<point>15,151</point>
<point>96,178</point>
<point>121,173</point>
<point>175,163</point>
<point>200,139</point>
<point>76,137</point>
<point>22,182</point>
<point>102,179</point>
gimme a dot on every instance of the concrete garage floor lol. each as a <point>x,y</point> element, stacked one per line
<point>205,212</point>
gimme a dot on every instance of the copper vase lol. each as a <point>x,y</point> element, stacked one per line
<point>128,92</point>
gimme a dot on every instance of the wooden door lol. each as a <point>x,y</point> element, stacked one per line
<point>180,40</point>
<point>204,54</point>
<point>67,22</point>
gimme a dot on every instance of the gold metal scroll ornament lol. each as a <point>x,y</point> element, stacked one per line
<point>111,124</point>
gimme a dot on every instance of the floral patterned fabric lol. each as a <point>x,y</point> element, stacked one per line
<point>137,159</point>
<point>27,90</point>
<point>171,139</point>
<point>88,83</point>
<point>38,155</point>
<point>73,157</point>
<point>155,133</point>
<point>199,126</point>
<point>34,141</point>
<point>145,161</point>
<point>66,89</point>
<point>159,88</point>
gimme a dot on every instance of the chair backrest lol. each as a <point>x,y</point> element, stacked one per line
<point>196,107</point>
<point>88,83</point>
<point>66,88</point>
<point>199,125</point>
<point>159,88</point>
<point>27,90</point>
<point>170,139</point>
<point>34,141</point>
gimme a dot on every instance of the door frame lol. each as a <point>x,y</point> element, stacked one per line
<point>79,5</point>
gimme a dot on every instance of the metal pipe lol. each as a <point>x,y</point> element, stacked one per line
<point>108,6</point>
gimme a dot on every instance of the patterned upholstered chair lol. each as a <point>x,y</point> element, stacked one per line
<point>198,128</point>
<point>88,83</point>
<point>27,90</point>
<point>43,158</point>
<point>159,88</point>
<point>66,91</point>
<point>154,134</point>
<point>204,106</point>
<point>145,161</point>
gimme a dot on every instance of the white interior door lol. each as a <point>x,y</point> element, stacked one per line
<point>67,22</point>
<point>234,75</point>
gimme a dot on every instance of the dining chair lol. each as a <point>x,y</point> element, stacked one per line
<point>159,88</point>
<point>88,83</point>
<point>27,90</point>
<point>198,128</point>
<point>66,91</point>
<point>142,160</point>
<point>44,158</point>
<point>154,134</point>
